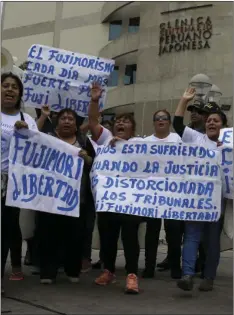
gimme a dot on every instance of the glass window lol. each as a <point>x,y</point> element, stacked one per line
<point>114,76</point>
<point>115,29</point>
<point>133,26</point>
<point>130,74</point>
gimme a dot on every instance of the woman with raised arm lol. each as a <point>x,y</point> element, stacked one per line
<point>110,224</point>
<point>193,229</point>
<point>12,117</point>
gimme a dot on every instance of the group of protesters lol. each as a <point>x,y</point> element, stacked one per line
<point>61,241</point>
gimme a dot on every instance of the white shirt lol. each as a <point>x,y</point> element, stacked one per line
<point>106,136</point>
<point>7,130</point>
<point>172,137</point>
<point>193,136</point>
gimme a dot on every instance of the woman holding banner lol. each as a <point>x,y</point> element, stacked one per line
<point>174,228</point>
<point>12,117</point>
<point>110,224</point>
<point>58,232</point>
<point>193,230</point>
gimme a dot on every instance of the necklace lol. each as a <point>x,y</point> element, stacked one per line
<point>65,140</point>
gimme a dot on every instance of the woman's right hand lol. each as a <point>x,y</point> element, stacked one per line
<point>189,94</point>
<point>20,124</point>
<point>96,91</point>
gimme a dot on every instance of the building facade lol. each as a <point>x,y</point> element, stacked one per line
<point>157,46</point>
<point>172,42</point>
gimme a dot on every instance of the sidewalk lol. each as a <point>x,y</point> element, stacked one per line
<point>158,296</point>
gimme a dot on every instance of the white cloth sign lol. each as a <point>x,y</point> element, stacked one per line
<point>62,79</point>
<point>158,180</point>
<point>227,172</point>
<point>226,137</point>
<point>44,174</point>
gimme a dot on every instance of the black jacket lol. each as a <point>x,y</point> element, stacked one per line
<point>86,196</point>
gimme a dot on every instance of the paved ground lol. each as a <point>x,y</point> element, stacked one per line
<point>158,296</point>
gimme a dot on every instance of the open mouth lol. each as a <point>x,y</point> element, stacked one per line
<point>212,129</point>
<point>9,97</point>
<point>120,129</point>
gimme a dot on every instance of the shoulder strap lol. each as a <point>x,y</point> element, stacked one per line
<point>22,116</point>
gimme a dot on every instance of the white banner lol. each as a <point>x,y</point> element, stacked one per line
<point>226,137</point>
<point>162,180</point>
<point>227,171</point>
<point>62,79</point>
<point>44,174</point>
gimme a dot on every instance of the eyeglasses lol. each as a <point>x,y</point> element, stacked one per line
<point>159,118</point>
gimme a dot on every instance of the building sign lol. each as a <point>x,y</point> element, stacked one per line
<point>185,34</point>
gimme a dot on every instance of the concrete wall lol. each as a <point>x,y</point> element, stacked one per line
<point>73,26</point>
<point>19,14</point>
<point>20,50</point>
<point>91,45</point>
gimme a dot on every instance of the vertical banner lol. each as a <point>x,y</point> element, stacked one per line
<point>226,137</point>
<point>227,172</point>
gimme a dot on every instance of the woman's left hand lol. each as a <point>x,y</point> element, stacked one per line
<point>21,125</point>
<point>84,155</point>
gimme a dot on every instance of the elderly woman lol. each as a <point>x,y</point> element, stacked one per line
<point>194,230</point>
<point>11,94</point>
<point>64,232</point>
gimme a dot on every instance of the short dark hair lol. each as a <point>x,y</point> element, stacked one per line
<point>79,120</point>
<point>165,112</point>
<point>222,116</point>
<point>6,75</point>
<point>128,116</point>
